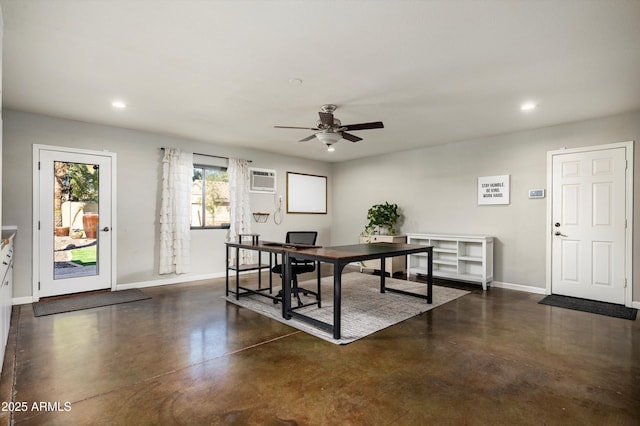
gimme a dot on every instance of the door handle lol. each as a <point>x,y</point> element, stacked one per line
<point>105,229</point>
<point>559,234</point>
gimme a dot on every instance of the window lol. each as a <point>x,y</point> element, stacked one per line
<point>210,198</point>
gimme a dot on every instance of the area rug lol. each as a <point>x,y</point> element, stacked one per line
<point>87,301</point>
<point>364,309</point>
<point>591,306</point>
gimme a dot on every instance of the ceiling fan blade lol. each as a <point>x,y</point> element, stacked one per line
<point>290,127</point>
<point>350,137</point>
<point>364,126</point>
<point>308,138</point>
<point>326,118</point>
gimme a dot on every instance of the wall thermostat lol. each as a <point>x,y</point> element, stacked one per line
<point>536,193</point>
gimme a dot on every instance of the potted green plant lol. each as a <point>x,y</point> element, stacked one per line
<point>84,181</point>
<point>382,219</point>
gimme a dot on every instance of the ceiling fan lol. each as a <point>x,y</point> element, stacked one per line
<point>330,130</point>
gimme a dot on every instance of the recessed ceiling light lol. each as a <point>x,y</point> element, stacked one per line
<point>528,106</point>
<point>118,104</point>
<point>331,149</point>
<point>295,81</point>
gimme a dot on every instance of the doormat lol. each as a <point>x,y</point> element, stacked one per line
<point>591,306</point>
<point>88,301</point>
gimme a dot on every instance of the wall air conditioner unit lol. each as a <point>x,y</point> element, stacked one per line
<point>262,180</point>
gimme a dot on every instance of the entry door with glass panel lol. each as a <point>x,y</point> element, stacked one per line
<point>75,222</point>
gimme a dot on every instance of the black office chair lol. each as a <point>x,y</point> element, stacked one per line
<point>298,266</point>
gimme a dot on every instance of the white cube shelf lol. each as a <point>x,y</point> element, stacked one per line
<point>457,257</point>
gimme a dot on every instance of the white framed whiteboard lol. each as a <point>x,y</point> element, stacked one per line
<point>306,193</point>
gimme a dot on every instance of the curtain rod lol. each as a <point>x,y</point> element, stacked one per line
<point>213,156</point>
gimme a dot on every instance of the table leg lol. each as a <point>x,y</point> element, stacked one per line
<point>238,273</point>
<point>337,299</point>
<point>318,290</point>
<point>383,274</point>
<point>270,273</point>
<point>286,286</point>
<point>259,270</point>
<point>430,276</point>
<point>227,271</point>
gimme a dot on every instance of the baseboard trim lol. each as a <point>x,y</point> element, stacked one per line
<point>519,287</point>
<point>22,300</point>
<point>188,278</point>
<point>539,290</point>
<point>168,281</point>
<point>177,280</point>
<point>142,284</point>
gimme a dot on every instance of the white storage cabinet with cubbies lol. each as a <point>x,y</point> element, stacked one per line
<point>457,257</point>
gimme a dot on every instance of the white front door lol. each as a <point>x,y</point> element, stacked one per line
<point>588,247</point>
<point>74,215</point>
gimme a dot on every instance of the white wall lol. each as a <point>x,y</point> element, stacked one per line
<point>1,114</point>
<point>138,186</point>
<point>436,188</point>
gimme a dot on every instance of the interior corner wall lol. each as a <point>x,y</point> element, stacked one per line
<point>1,114</point>
<point>436,189</point>
<point>139,171</point>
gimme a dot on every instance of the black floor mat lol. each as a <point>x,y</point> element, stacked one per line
<point>592,306</point>
<point>77,303</point>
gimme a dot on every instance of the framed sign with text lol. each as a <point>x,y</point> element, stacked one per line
<point>493,190</point>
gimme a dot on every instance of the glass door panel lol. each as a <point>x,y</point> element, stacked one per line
<point>75,215</point>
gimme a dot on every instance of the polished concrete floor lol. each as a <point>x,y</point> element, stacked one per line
<point>187,357</point>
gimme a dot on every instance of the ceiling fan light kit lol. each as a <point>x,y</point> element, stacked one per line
<point>328,138</point>
<point>330,130</point>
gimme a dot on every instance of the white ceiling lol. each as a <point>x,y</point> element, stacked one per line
<point>433,71</point>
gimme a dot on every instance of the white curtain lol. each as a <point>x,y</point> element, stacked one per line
<point>240,207</point>
<point>175,234</point>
